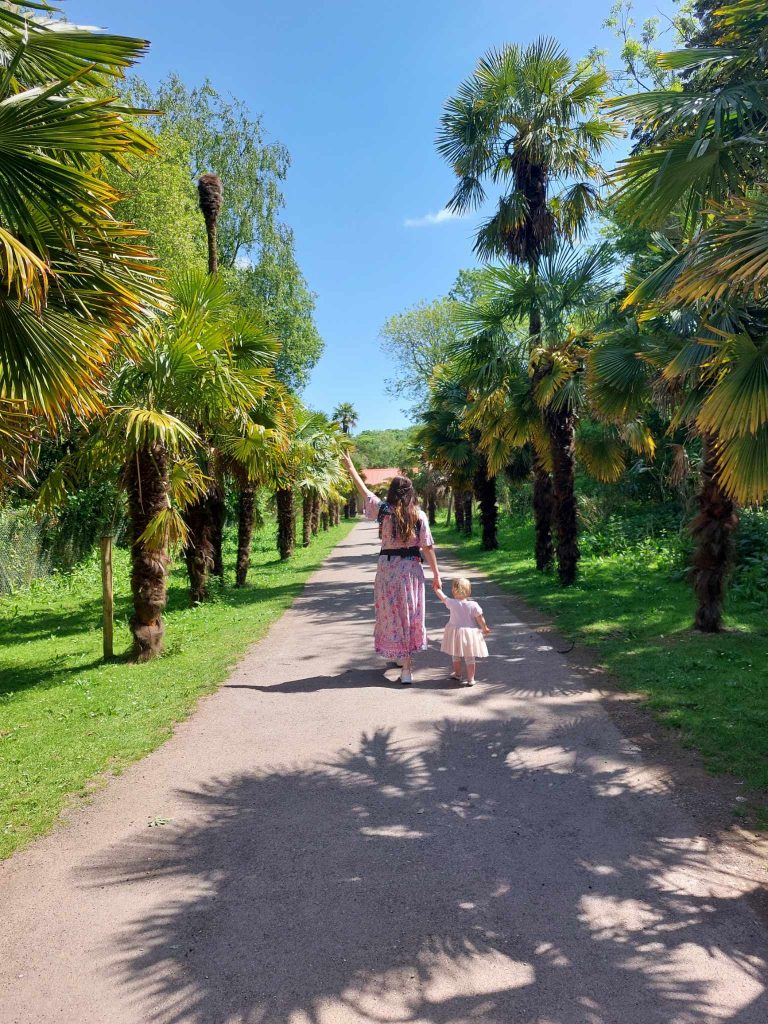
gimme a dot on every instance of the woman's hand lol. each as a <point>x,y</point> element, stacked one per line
<point>436,584</point>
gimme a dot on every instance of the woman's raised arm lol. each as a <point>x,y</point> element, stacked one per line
<point>357,480</point>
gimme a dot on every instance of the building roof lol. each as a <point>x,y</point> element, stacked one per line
<point>377,477</point>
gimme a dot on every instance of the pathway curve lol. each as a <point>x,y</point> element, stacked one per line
<point>341,851</point>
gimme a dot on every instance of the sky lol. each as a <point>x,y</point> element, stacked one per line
<point>354,89</point>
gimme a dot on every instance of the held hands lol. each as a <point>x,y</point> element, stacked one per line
<point>436,585</point>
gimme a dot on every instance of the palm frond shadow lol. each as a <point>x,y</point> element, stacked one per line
<point>419,881</point>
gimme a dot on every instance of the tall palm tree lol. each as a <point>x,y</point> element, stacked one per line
<point>345,414</point>
<point>76,279</point>
<point>535,388</point>
<point>211,197</point>
<point>702,163</point>
<point>527,118</point>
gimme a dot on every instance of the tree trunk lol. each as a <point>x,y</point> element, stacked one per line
<point>543,500</point>
<point>431,509</point>
<point>324,520</point>
<point>245,514</point>
<point>199,551</point>
<point>467,500</point>
<point>458,504</point>
<point>315,515</point>
<point>485,492</point>
<point>306,520</point>
<point>448,509</point>
<point>286,522</point>
<point>336,513</point>
<point>217,509</point>
<point>712,531</point>
<point>147,487</point>
<point>543,497</point>
<point>562,426</point>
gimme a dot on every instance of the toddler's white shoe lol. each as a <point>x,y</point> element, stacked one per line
<point>406,679</point>
<point>456,676</point>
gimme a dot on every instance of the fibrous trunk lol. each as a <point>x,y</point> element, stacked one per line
<point>217,511</point>
<point>467,502</point>
<point>147,487</point>
<point>246,503</point>
<point>543,499</point>
<point>306,520</point>
<point>562,427</point>
<point>485,492</point>
<point>712,531</point>
<point>458,504</point>
<point>324,519</point>
<point>315,515</point>
<point>286,522</point>
<point>431,509</point>
<point>199,551</point>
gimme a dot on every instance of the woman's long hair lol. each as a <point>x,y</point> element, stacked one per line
<point>402,498</point>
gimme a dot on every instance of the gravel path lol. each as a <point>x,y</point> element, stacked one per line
<point>337,850</point>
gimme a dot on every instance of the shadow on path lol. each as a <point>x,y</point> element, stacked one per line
<point>426,883</point>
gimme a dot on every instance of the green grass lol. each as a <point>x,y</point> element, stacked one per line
<point>629,607</point>
<point>66,717</point>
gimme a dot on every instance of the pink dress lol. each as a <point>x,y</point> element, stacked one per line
<point>399,589</point>
<point>463,637</point>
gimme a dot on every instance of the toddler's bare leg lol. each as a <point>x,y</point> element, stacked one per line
<point>470,663</point>
<point>457,667</point>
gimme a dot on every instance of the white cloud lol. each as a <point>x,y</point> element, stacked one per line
<point>441,217</point>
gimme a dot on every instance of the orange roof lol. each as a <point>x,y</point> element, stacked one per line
<point>377,477</point>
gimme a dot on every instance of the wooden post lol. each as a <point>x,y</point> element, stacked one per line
<point>106,596</point>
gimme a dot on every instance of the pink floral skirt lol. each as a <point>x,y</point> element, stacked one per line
<point>399,602</point>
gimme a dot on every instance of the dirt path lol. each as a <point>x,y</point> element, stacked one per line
<point>341,851</point>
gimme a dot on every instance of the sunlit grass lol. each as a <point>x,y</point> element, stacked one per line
<point>66,717</point>
<point>637,617</point>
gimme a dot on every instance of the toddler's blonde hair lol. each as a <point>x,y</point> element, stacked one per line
<point>461,587</point>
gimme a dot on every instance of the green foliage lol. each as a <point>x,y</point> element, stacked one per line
<point>200,130</point>
<point>384,448</point>
<point>66,717</point>
<point>161,198</point>
<point>417,341</point>
<point>21,543</point>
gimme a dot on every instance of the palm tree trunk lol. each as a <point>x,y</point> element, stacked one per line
<point>217,509</point>
<point>562,429</point>
<point>485,492</point>
<point>245,515</point>
<point>147,488</point>
<point>712,531</point>
<point>543,500</point>
<point>199,551</point>
<point>336,513</point>
<point>315,515</point>
<point>543,497</point>
<point>431,509</point>
<point>467,500</point>
<point>286,522</point>
<point>324,519</point>
<point>458,504</point>
<point>306,520</point>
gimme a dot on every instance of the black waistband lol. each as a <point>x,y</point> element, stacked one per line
<point>401,553</point>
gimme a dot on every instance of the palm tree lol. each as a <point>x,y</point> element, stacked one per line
<point>345,414</point>
<point>528,117</point>
<point>76,279</point>
<point>515,387</point>
<point>703,164</point>
<point>211,197</point>
<point>449,445</point>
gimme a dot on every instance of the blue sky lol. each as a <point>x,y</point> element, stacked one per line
<point>355,90</point>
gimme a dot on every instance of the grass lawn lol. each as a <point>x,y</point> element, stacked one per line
<point>627,606</point>
<point>66,717</point>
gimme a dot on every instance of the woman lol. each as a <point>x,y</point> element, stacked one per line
<point>399,587</point>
